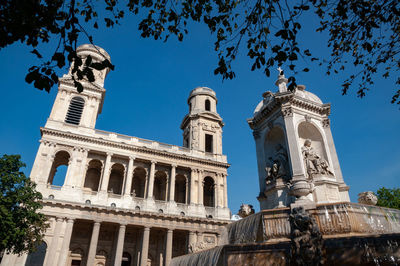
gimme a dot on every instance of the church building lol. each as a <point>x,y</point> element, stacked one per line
<point>126,200</point>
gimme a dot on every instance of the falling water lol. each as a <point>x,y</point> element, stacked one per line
<point>208,257</point>
<point>246,230</point>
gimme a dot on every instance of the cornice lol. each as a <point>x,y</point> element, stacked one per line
<point>87,85</point>
<point>130,147</point>
<point>206,115</point>
<point>288,99</point>
<point>141,214</point>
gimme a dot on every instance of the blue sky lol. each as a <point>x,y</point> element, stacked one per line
<point>146,97</point>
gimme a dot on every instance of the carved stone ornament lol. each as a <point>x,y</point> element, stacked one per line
<point>256,134</point>
<point>246,210</point>
<point>200,246</point>
<point>306,239</point>
<point>278,166</point>
<point>368,198</point>
<point>313,162</point>
<point>287,111</point>
<point>300,189</point>
<point>270,124</point>
<point>326,122</point>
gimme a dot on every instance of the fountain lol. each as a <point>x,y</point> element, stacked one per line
<point>306,216</point>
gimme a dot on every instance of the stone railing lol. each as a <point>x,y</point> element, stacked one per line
<point>336,219</point>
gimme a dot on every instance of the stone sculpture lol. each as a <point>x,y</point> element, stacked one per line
<point>246,210</point>
<point>367,197</point>
<point>279,167</point>
<point>200,246</point>
<point>306,238</point>
<point>314,163</point>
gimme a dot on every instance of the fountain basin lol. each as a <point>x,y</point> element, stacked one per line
<point>354,234</point>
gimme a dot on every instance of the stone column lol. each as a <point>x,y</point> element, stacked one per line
<point>224,176</point>
<point>172,183</point>
<point>199,237</point>
<point>44,173</point>
<point>192,241</point>
<point>72,167</point>
<point>168,250</point>
<point>200,187</point>
<point>294,150</point>
<point>332,150</point>
<point>54,243</point>
<point>128,182</point>
<point>151,181</point>
<point>106,173</point>
<point>82,169</point>
<point>120,245</point>
<point>191,190</point>
<point>218,239</point>
<point>145,246</point>
<point>93,243</point>
<point>216,189</point>
<point>62,260</point>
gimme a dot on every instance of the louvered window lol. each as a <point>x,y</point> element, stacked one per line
<point>75,111</point>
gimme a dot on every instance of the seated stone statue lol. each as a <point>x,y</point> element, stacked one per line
<point>279,165</point>
<point>314,163</point>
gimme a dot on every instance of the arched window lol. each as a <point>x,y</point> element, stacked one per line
<point>116,179</point>
<point>208,192</point>
<point>37,257</point>
<point>126,259</point>
<point>59,169</point>
<point>138,182</point>
<point>93,175</point>
<point>207,105</point>
<point>180,189</point>
<point>75,110</point>
<point>160,185</point>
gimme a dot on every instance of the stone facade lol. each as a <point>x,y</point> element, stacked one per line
<point>126,200</point>
<point>296,155</point>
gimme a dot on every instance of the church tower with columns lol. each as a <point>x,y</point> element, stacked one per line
<point>296,155</point>
<point>202,126</point>
<point>114,199</point>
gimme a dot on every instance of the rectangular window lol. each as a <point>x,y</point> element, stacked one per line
<point>209,143</point>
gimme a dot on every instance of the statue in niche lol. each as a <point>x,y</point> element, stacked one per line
<point>314,163</point>
<point>279,165</point>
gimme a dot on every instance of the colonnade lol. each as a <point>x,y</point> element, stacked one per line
<point>194,179</point>
<point>63,258</point>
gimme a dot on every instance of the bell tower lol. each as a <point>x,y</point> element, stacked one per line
<point>296,155</point>
<point>202,126</point>
<point>78,111</point>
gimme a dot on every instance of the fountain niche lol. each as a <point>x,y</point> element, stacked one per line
<point>306,216</point>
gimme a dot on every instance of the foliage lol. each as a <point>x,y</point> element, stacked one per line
<point>389,198</point>
<point>21,226</point>
<point>364,34</point>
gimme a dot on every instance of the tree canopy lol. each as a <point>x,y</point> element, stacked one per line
<point>22,227</point>
<point>389,198</point>
<point>363,34</point>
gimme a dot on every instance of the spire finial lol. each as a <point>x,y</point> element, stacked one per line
<point>282,81</point>
<point>280,71</point>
